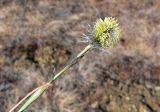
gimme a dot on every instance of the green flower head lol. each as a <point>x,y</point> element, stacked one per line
<point>106,32</point>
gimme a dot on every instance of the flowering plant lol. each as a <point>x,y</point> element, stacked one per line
<point>105,33</point>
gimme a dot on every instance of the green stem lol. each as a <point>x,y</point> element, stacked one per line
<point>72,62</point>
<point>40,91</point>
<point>33,97</point>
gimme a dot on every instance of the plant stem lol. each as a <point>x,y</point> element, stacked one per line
<point>72,62</point>
<point>34,97</point>
<point>40,91</point>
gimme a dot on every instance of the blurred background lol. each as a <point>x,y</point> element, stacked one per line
<point>38,37</point>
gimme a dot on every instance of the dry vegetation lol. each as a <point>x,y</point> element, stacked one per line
<point>37,37</point>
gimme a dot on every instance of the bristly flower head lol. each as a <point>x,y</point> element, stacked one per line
<point>106,33</point>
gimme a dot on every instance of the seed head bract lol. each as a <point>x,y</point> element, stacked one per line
<point>107,32</point>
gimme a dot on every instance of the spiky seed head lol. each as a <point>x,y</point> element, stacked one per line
<point>106,32</point>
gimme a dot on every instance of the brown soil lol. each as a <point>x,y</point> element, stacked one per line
<point>38,37</point>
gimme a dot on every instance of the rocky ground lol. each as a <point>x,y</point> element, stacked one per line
<point>38,37</point>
